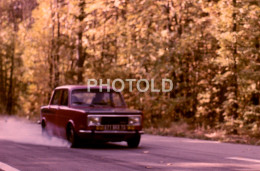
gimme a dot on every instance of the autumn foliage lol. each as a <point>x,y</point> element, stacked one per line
<point>209,48</point>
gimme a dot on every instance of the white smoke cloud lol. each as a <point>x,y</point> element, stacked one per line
<point>24,131</point>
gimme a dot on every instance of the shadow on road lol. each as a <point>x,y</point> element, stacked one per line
<point>104,145</point>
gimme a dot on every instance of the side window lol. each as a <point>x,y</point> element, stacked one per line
<point>56,97</point>
<point>64,98</point>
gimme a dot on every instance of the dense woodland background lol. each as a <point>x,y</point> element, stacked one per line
<point>209,48</point>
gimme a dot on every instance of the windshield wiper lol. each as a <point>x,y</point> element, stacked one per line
<point>100,103</point>
<point>79,103</point>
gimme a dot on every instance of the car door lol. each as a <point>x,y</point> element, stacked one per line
<point>62,113</point>
<point>53,110</point>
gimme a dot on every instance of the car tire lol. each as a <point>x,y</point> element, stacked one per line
<point>72,137</point>
<point>44,131</point>
<point>134,142</point>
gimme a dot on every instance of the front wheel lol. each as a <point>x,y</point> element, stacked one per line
<point>134,142</point>
<point>71,136</point>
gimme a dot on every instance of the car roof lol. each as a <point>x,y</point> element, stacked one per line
<point>71,87</point>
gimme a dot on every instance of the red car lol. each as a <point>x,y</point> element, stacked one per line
<point>82,113</point>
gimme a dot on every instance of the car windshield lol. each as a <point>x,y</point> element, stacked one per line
<point>83,97</point>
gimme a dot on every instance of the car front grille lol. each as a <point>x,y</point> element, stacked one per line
<point>114,120</point>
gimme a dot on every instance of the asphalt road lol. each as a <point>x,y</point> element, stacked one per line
<point>154,153</point>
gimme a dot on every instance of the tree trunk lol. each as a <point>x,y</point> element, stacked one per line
<point>9,106</point>
<point>235,70</point>
<point>81,51</point>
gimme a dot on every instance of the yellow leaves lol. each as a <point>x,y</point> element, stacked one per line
<point>95,5</point>
<point>222,61</point>
<point>165,33</point>
<point>204,97</point>
<point>161,52</point>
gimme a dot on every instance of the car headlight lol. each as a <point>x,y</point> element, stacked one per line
<point>94,120</point>
<point>134,120</point>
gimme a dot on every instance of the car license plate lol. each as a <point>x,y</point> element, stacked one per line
<point>115,127</point>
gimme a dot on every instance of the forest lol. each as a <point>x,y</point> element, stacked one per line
<point>210,49</point>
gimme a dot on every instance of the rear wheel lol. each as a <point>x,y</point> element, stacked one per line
<point>44,131</point>
<point>71,136</point>
<point>134,142</point>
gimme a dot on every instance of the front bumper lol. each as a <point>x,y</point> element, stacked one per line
<point>109,132</point>
<point>108,135</point>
